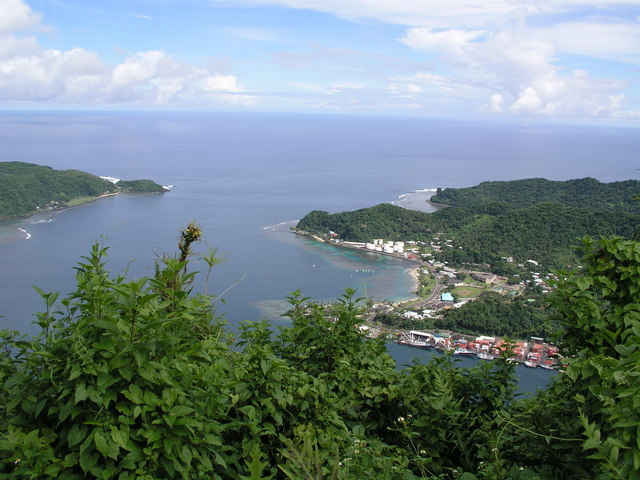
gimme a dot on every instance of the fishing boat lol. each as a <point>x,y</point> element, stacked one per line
<point>416,339</point>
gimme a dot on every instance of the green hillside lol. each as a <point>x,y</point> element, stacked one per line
<point>140,186</point>
<point>499,227</point>
<point>581,193</point>
<point>26,187</point>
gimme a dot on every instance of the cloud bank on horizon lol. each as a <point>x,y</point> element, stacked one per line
<point>568,59</point>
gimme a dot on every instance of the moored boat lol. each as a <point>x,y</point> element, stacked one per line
<point>461,351</point>
<point>485,356</point>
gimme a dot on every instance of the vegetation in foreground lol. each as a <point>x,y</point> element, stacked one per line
<point>137,379</point>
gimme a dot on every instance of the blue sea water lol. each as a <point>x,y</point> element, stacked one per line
<point>246,177</point>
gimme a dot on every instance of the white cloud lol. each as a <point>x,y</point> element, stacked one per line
<point>404,90</point>
<point>11,45</point>
<point>511,48</point>
<point>16,16</point>
<point>518,73</point>
<point>254,34</point>
<point>309,87</point>
<point>447,41</point>
<point>335,88</point>
<point>30,73</point>
<point>496,103</point>
<point>503,56</point>
<point>618,41</point>
<point>221,83</point>
<point>341,87</point>
<point>432,13</point>
<point>527,102</point>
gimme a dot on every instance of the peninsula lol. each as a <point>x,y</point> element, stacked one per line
<point>26,188</point>
<point>532,219</point>
<point>486,263</point>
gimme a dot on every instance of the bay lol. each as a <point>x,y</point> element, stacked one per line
<point>246,177</point>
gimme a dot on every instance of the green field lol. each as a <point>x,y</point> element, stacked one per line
<point>467,292</point>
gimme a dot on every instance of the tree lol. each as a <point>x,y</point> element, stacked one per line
<point>599,310</point>
<point>137,379</point>
<point>118,383</point>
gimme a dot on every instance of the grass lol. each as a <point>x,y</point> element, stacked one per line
<point>74,202</point>
<point>427,282</point>
<point>467,292</point>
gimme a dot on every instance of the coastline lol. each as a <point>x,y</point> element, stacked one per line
<point>438,205</point>
<point>74,202</point>
<point>412,271</point>
<point>13,229</point>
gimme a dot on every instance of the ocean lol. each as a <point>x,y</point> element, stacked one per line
<point>245,178</point>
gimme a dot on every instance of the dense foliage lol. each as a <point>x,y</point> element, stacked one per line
<point>382,221</point>
<point>140,186</point>
<point>485,233</point>
<point>583,193</point>
<point>495,314</point>
<point>545,232</point>
<point>137,379</point>
<point>26,187</point>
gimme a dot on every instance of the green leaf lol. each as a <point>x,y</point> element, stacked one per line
<point>88,459</point>
<point>185,454</point>
<point>623,350</point>
<point>111,327</point>
<point>77,433</point>
<point>81,393</point>
<point>467,476</point>
<point>120,437</point>
<point>134,393</point>
<point>181,410</point>
<point>213,439</point>
<point>101,443</point>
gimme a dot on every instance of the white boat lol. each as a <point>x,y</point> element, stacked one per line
<point>463,352</point>
<point>416,339</point>
<point>530,364</point>
<point>485,356</point>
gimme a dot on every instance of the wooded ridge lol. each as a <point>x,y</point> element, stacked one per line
<point>26,187</point>
<point>499,219</point>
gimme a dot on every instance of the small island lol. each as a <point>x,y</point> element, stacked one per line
<point>27,188</point>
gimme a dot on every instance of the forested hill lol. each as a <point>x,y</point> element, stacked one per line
<point>26,187</point>
<point>583,193</point>
<point>483,233</point>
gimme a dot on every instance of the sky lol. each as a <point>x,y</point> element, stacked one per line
<point>557,60</point>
